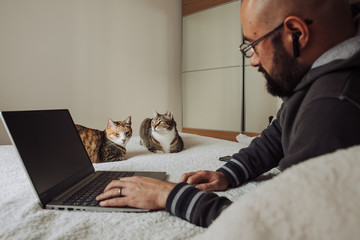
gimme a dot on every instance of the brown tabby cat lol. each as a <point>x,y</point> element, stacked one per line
<point>159,134</point>
<point>108,145</point>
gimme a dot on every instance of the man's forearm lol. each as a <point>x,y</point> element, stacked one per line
<point>195,206</point>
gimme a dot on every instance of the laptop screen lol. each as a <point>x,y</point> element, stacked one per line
<point>50,149</point>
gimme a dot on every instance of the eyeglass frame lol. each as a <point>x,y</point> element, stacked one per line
<point>246,47</point>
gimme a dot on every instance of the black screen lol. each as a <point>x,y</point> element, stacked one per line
<point>49,147</point>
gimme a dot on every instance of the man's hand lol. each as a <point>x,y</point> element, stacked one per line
<point>139,192</point>
<point>206,180</point>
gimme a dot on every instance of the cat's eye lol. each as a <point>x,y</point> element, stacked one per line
<point>117,134</point>
<point>127,133</point>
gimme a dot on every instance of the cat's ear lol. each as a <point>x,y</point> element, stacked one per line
<point>155,113</point>
<point>110,123</point>
<point>128,120</point>
<point>169,114</point>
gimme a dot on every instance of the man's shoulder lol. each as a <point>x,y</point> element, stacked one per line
<point>342,84</point>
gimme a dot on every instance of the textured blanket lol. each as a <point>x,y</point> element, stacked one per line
<point>317,199</point>
<point>21,216</point>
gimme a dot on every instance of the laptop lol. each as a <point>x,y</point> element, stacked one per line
<point>57,163</point>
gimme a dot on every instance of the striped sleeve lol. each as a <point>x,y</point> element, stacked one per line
<point>195,206</point>
<point>263,153</point>
<point>235,172</point>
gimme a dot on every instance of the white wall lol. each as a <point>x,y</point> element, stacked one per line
<point>98,58</point>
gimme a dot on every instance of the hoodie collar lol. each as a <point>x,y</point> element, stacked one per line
<point>341,51</point>
<point>338,53</point>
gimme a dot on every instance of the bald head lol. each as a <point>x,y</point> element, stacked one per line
<point>275,11</point>
<point>270,11</point>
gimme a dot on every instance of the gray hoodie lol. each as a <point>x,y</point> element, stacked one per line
<point>321,116</point>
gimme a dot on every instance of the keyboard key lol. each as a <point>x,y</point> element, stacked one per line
<point>86,195</point>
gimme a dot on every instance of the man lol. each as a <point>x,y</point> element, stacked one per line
<point>309,53</point>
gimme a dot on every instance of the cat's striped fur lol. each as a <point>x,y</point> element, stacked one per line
<point>108,145</point>
<point>159,134</point>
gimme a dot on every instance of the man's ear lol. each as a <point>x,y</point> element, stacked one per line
<point>297,33</point>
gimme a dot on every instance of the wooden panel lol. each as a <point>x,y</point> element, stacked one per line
<point>191,6</point>
<point>226,135</point>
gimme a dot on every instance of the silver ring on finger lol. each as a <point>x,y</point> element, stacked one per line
<point>119,191</point>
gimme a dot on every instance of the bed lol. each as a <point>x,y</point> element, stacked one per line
<point>22,218</point>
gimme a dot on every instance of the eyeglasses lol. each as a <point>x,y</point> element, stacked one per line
<point>248,48</point>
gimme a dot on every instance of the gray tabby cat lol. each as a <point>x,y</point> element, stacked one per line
<point>159,134</point>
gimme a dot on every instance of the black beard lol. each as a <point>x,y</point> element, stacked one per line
<point>286,73</point>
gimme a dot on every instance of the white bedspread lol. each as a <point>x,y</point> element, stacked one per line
<point>317,199</point>
<point>21,216</point>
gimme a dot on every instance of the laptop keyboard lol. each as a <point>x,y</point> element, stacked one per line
<point>86,195</point>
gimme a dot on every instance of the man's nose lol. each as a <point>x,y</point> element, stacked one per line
<point>254,60</point>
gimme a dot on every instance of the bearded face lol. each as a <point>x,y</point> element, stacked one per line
<point>286,72</point>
